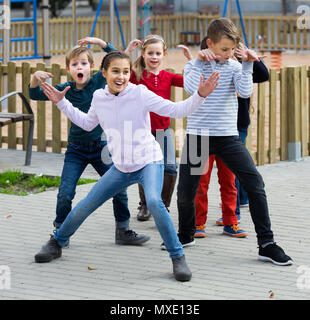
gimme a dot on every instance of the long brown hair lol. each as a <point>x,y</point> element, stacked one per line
<point>139,65</point>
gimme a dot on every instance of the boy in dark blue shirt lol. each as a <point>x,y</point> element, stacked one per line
<point>84,147</point>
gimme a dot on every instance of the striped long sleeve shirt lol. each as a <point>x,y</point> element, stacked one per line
<point>217,116</point>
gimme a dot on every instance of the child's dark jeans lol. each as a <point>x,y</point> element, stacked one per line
<point>77,157</point>
<point>237,158</point>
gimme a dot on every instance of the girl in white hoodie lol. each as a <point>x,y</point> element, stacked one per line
<point>123,111</point>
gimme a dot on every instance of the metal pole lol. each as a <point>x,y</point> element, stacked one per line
<point>227,9</point>
<point>133,24</point>
<point>6,19</point>
<point>46,33</point>
<point>74,26</point>
<point>112,18</point>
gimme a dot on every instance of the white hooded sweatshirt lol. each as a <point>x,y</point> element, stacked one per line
<point>125,119</point>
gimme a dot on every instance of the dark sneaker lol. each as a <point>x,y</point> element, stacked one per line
<point>275,254</point>
<point>51,250</point>
<point>129,237</point>
<point>184,244</point>
<point>180,269</point>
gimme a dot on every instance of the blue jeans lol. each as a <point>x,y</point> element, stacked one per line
<point>164,138</point>
<point>77,157</point>
<point>242,197</point>
<point>151,178</point>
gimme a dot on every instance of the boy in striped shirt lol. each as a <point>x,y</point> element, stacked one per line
<point>212,130</point>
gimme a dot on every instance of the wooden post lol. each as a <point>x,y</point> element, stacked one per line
<point>272,116</point>
<point>41,119</point>
<point>56,114</point>
<point>283,114</point>
<point>25,82</point>
<point>261,109</point>
<point>303,111</point>
<point>293,111</point>
<point>12,104</point>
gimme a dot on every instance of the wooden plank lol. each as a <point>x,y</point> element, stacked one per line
<point>12,103</point>
<point>303,112</point>
<point>261,109</point>
<point>293,104</point>
<point>56,114</point>
<point>272,115</point>
<point>25,81</point>
<point>283,114</point>
<point>5,121</point>
<point>41,118</point>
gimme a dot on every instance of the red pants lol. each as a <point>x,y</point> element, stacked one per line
<point>228,191</point>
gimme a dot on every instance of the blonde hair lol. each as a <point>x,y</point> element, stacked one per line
<point>223,28</point>
<point>76,52</point>
<point>139,65</point>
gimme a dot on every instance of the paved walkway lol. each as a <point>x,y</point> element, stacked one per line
<point>223,267</point>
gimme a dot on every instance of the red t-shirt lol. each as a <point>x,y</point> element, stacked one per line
<point>161,85</point>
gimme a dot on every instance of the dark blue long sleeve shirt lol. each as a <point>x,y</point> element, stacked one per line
<point>260,74</point>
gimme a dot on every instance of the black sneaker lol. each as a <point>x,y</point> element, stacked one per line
<point>51,250</point>
<point>129,237</point>
<point>275,254</point>
<point>181,270</point>
<point>184,244</point>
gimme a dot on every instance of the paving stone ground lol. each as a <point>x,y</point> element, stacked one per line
<point>222,267</point>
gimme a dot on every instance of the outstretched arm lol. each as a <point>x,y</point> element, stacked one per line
<point>181,109</point>
<point>87,121</point>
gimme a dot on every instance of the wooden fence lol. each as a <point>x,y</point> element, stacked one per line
<point>279,114</point>
<point>281,32</point>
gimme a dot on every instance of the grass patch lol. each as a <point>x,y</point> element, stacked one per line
<point>18,183</point>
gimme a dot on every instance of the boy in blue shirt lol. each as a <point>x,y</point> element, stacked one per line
<point>84,147</point>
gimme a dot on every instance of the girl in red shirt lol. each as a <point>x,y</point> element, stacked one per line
<point>146,71</point>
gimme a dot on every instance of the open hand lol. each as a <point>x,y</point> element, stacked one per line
<point>207,87</point>
<point>133,44</point>
<point>207,55</point>
<point>52,93</point>
<point>186,52</point>
<point>42,75</point>
<point>247,55</point>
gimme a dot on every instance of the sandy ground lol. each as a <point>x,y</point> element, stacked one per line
<point>176,60</point>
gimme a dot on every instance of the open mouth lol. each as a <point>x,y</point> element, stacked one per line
<point>80,76</point>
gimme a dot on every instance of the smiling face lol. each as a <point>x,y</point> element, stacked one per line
<point>153,56</point>
<point>79,68</point>
<point>224,48</point>
<point>117,75</point>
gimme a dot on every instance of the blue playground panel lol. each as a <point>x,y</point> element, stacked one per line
<point>34,38</point>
